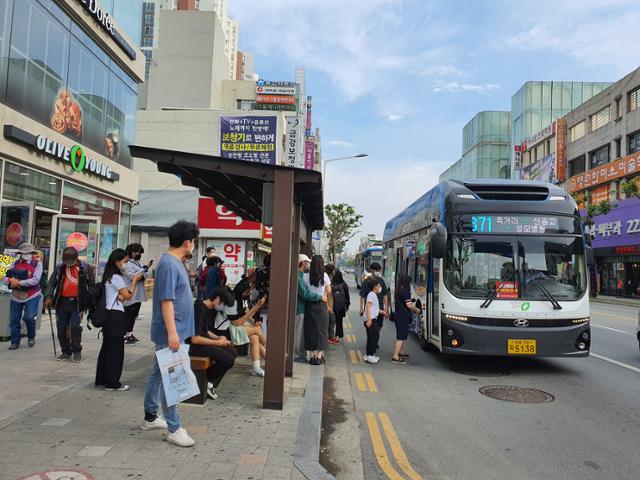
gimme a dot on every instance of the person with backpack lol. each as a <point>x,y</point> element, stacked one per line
<point>68,293</point>
<point>405,308</point>
<point>215,276</point>
<point>201,274</point>
<point>372,312</point>
<point>341,303</point>
<point>376,274</point>
<point>316,314</point>
<point>23,278</point>
<point>171,324</point>
<point>261,290</point>
<point>304,296</point>
<point>116,292</point>
<point>132,307</point>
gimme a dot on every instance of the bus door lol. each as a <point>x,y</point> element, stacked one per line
<point>420,278</point>
<point>433,307</point>
<point>399,263</point>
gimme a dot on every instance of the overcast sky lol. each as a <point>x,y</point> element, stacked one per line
<point>399,79</point>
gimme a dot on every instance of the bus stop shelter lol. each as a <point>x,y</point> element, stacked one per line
<point>297,211</point>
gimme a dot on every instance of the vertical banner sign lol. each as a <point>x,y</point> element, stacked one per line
<point>292,142</point>
<point>308,124</point>
<point>561,149</point>
<point>232,253</point>
<point>248,138</point>
<point>309,155</point>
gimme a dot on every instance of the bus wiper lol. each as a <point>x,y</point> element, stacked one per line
<point>491,296</point>
<point>546,293</point>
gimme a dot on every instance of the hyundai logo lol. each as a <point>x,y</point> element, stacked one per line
<point>521,322</point>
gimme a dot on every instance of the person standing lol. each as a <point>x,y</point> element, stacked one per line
<point>371,313</point>
<point>383,296</point>
<point>201,274</point>
<point>330,270</point>
<point>304,295</point>
<point>341,303</point>
<point>261,287</point>
<point>132,307</point>
<point>111,356</point>
<point>68,293</point>
<point>316,314</point>
<point>171,324</point>
<point>23,278</point>
<point>405,307</point>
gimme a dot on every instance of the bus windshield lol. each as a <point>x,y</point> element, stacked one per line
<point>479,265</point>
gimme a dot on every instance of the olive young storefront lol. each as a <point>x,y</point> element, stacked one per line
<point>68,91</point>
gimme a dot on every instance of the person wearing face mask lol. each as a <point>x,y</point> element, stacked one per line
<point>205,343</point>
<point>383,296</point>
<point>23,278</point>
<point>132,307</point>
<point>304,295</point>
<point>111,357</point>
<point>68,293</point>
<point>171,324</point>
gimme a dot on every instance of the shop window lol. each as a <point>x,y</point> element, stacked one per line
<point>599,157</point>
<point>576,166</point>
<point>81,201</point>
<point>26,184</point>
<point>634,142</point>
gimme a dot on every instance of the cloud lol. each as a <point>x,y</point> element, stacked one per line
<point>338,143</point>
<point>442,70</point>
<point>392,115</point>
<point>452,87</point>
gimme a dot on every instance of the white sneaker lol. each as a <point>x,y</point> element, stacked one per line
<point>211,392</point>
<point>181,438</point>
<point>258,373</point>
<point>376,357</point>
<point>158,423</point>
<point>371,359</point>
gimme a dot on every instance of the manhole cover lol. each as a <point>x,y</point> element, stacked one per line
<point>480,371</point>
<point>509,393</point>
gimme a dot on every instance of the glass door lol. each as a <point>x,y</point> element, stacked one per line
<point>80,232</point>
<point>16,224</point>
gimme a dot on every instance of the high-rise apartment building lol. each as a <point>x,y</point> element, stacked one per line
<point>244,66</point>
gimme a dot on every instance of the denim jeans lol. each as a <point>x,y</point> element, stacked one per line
<point>155,389</point>
<point>28,311</point>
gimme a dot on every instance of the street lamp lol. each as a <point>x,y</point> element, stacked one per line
<point>324,163</point>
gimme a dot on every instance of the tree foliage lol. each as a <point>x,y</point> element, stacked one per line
<point>342,224</point>
<point>630,187</point>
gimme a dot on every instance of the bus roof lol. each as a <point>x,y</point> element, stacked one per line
<point>476,194</point>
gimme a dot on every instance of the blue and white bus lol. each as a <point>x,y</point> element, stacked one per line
<point>365,258</point>
<point>499,266</point>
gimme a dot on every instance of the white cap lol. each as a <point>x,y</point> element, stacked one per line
<point>303,258</point>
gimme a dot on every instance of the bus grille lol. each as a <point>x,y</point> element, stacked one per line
<point>515,192</point>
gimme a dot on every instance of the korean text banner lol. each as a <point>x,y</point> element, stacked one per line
<point>248,138</point>
<point>621,226</point>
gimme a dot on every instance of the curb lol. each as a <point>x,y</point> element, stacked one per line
<point>616,301</point>
<point>307,456</point>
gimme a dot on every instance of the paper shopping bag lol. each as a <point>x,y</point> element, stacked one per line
<point>178,379</point>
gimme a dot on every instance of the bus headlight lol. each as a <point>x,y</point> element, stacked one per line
<point>580,320</point>
<point>458,318</point>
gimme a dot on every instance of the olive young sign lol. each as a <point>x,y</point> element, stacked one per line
<point>105,21</point>
<point>74,155</point>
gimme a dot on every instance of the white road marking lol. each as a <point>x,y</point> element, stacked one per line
<point>612,329</point>
<point>615,362</point>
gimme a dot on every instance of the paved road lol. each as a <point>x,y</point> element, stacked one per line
<point>423,420</point>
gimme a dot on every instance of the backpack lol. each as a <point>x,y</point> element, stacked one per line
<point>98,313</point>
<point>339,299</point>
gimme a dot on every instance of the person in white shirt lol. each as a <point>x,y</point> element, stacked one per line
<point>372,310</point>
<point>316,314</point>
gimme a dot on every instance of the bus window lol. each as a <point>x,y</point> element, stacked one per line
<point>420,277</point>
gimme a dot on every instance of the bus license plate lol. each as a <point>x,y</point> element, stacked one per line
<point>521,347</point>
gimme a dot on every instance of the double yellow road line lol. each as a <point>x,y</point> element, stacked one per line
<point>366,383</point>
<point>356,356</point>
<point>350,338</point>
<point>380,450</point>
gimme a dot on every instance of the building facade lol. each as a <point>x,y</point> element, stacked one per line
<point>485,148</point>
<point>538,104</point>
<point>603,152</point>
<point>68,86</point>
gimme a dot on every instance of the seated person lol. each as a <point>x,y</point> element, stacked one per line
<point>241,328</point>
<point>206,344</point>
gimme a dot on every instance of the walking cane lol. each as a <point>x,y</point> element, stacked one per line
<point>53,337</point>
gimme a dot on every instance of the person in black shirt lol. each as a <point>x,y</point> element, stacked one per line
<point>204,343</point>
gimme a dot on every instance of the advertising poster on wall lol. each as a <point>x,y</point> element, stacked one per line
<point>621,226</point>
<point>248,138</point>
<point>233,254</point>
<point>543,170</point>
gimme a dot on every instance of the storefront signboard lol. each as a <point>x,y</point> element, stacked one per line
<point>271,83</point>
<point>249,138</point>
<point>605,173</point>
<point>308,122</point>
<point>292,142</point>
<point>78,240</point>
<point>561,149</point>
<point>277,99</point>
<point>233,254</point>
<point>309,155</point>
<point>275,90</point>
<point>102,17</point>
<point>74,155</point>
<point>619,227</point>
<point>218,221</point>
<point>275,107</point>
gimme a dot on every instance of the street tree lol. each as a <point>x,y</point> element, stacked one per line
<point>630,187</point>
<point>342,224</point>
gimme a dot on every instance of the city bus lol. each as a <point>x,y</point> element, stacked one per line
<point>365,258</point>
<point>499,266</point>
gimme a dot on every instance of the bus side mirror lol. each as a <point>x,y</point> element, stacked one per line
<point>438,240</point>
<point>591,261</point>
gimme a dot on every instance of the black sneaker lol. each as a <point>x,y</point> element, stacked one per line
<point>77,357</point>
<point>134,339</point>
<point>63,356</point>
<point>14,346</point>
<point>32,342</point>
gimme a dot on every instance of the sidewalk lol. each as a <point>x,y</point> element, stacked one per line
<point>629,302</point>
<point>77,427</point>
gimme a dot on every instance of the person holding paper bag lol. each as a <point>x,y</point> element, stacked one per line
<point>171,324</point>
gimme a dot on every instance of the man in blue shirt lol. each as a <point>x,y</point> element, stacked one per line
<point>171,324</point>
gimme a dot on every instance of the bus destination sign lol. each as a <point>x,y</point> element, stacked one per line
<point>516,224</point>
